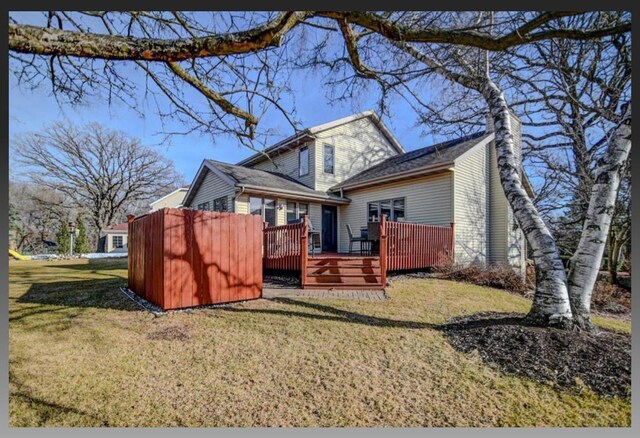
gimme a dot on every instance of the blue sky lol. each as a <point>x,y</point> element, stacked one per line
<point>30,110</point>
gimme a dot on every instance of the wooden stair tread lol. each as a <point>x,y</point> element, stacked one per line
<point>343,286</point>
<point>331,274</point>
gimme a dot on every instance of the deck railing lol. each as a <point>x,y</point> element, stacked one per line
<point>282,247</point>
<point>402,246</point>
<point>413,246</point>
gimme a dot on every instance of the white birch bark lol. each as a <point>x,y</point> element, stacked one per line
<point>586,261</point>
<point>551,303</point>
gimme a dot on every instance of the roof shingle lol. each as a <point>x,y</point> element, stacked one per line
<point>420,158</point>
<point>265,179</point>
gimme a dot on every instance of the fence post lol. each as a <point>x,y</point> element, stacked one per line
<point>304,251</point>
<point>265,243</point>
<point>383,251</point>
<point>453,242</point>
<point>130,268</point>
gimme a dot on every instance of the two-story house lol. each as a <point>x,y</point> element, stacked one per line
<point>353,170</point>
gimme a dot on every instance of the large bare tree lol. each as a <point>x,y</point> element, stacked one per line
<point>395,50</point>
<point>101,171</point>
<point>389,49</point>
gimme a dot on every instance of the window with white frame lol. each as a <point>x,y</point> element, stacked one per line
<point>303,160</point>
<point>329,158</point>
<point>117,242</point>
<point>393,209</point>
<point>264,207</point>
<point>296,210</point>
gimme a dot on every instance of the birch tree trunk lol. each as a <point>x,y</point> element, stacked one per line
<point>585,262</point>
<point>551,305</point>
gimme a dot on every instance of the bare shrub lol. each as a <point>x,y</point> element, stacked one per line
<point>499,277</point>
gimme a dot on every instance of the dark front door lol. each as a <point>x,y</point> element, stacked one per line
<point>329,228</point>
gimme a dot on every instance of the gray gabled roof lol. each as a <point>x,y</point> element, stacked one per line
<point>429,157</point>
<point>268,181</point>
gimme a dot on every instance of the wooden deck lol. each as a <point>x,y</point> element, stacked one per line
<point>401,246</point>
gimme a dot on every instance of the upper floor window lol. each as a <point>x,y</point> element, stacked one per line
<point>329,159</point>
<point>304,160</point>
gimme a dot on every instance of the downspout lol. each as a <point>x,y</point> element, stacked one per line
<point>235,198</point>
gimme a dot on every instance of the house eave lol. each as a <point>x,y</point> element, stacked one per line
<point>291,194</point>
<point>290,142</point>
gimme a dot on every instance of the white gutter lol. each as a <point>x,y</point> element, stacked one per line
<point>292,194</point>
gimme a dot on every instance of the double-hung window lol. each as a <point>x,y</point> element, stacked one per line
<point>296,210</point>
<point>264,207</point>
<point>117,242</point>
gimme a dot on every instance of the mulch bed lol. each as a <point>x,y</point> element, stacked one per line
<point>276,281</point>
<point>563,358</point>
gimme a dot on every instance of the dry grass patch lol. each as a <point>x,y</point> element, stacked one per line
<point>81,354</point>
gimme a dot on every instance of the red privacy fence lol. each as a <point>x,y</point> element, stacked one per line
<point>413,246</point>
<point>186,258</point>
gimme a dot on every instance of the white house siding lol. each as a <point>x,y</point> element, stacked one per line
<point>428,200</point>
<point>242,204</point>
<point>357,146</point>
<point>213,187</point>
<point>507,242</point>
<point>171,201</point>
<point>287,163</point>
<point>499,214</point>
<point>471,198</point>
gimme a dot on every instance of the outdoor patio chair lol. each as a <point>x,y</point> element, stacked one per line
<point>353,238</point>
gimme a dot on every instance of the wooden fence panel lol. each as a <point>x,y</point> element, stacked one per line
<point>414,246</point>
<point>185,258</point>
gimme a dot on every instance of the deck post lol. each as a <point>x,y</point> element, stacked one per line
<point>453,242</point>
<point>304,251</point>
<point>383,251</point>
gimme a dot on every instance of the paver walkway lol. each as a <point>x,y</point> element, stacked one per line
<point>367,295</point>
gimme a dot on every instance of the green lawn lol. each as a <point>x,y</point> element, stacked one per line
<point>82,354</point>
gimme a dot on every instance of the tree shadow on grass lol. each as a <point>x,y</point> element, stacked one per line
<point>96,293</point>
<point>334,314</point>
<point>46,410</point>
<point>561,358</point>
<point>95,265</point>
